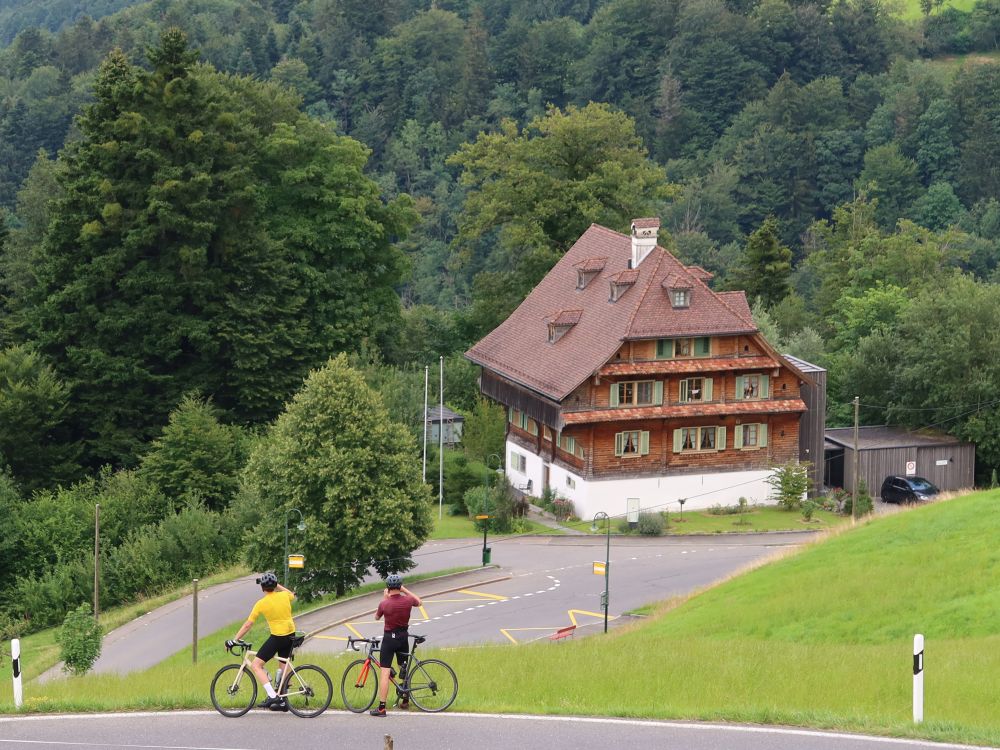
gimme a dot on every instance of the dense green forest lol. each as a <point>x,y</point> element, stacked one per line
<point>195,219</point>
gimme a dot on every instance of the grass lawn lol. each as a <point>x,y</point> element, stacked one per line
<point>820,637</point>
<point>462,527</point>
<point>760,518</point>
<point>910,9</point>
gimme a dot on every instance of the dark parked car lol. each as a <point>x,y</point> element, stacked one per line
<point>898,489</point>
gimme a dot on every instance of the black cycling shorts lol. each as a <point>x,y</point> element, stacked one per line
<point>395,643</point>
<point>276,644</point>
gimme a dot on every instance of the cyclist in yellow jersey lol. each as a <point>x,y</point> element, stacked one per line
<point>276,606</point>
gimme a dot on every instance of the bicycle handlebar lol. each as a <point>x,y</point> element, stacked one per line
<point>351,641</point>
<point>242,645</point>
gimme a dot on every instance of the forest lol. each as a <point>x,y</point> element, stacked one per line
<point>204,200</point>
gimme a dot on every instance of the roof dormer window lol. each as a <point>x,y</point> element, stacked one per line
<point>587,270</point>
<point>561,324</point>
<point>678,288</point>
<point>680,297</point>
<point>584,277</point>
<point>621,282</point>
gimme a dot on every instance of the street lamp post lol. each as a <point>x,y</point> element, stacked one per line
<point>486,497</point>
<point>300,527</point>
<point>601,515</point>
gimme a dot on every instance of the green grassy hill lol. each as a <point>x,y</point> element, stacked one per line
<point>821,637</point>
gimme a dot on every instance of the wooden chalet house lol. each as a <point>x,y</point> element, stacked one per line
<point>629,383</point>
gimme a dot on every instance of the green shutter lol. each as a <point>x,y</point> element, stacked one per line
<point>708,390</point>
<point>678,440</point>
<point>658,393</point>
<point>643,443</point>
<point>613,396</point>
<point>720,438</point>
<point>619,443</point>
<point>764,385</point>
<point>513,460</point>
<point>738,437</point>
<point>510,413</point>
<point>702,346</point>
<point>762,435</point>
<point>684,392</point>
<point>739,387</point>
<point>664,348</point>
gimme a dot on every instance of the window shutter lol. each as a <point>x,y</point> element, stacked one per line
<point>613,396</point>
<point>643,443</point>
<point>738,437</point>
<point>684,392</point>
<point>762,435</point>
<point>678,440</point>
<point>513,460</point>
<point>764,384</point>
<point>708,390</point>
<point>720,438</point>
<point>703,346</point>
<point>739,387</point>
<point>658,393</point>
<point>619,443</point>
<point>510,413</point>
<point>661,348</point>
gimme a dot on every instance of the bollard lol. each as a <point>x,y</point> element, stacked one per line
<point>15,653</point>
<point>388,742</point>
<point>918,678</point>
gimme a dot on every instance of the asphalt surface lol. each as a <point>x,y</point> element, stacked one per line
<point>260,730</point>
<point>551,585</point>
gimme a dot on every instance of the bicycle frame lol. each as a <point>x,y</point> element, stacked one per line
<point>372,664</point>
<point>287,670</point>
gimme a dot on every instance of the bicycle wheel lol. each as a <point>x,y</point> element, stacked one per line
<point>309,691</point>
<point>432,685</point>
<point>233,691</point>
<point>359,685</point>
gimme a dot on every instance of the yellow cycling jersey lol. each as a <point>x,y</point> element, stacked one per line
<point>276,607</point>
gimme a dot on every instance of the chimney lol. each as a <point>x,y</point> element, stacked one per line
<point>644,233</point>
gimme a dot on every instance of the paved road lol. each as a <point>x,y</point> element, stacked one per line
<point>551,581</point>
<point>448,731</point>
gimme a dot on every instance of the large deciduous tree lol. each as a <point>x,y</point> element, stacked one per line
<point>210,238</point>
<point>539,189</point>
<point>336,455</point>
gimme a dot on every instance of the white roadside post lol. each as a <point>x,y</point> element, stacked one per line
<point>918,678</point>
<point>15,653</point>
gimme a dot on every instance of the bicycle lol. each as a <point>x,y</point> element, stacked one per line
<point>308,689</point>
<point>430,684</point>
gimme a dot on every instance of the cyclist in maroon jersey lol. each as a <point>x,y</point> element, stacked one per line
<point>395,607</point>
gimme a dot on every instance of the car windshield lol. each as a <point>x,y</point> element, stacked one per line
<point>919,484</point>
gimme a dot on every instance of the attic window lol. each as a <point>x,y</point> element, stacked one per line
<point>561,324</point>
<point>680,297</point>
<point>679,290</point>
<point>587,269</point>
<point>621,282</point>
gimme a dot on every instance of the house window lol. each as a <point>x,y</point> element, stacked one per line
<point>518,462</point>
<point>570,482</point>
<point>522,420</point>
<point>695,389</point>
<point>751,436</point>
<point>683,348</point>
<point>680,297</point>
<point>570,445</point>
<point>699,439</point>
<point>632,443</point>
<point>751,387</point>
<point>546,433</point>
<point>637,393</point>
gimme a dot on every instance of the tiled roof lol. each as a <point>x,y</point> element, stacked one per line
<point>673,281</point>
<point>700,273</point>
<point>518,348</point>
<point>591,264</point>
<point>628,276</point>
<point>651,223</point>
<point>678,411</point>
<point>697,364</point>
<point>567,318</point>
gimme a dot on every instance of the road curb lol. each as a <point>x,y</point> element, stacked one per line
<point>438,592</point>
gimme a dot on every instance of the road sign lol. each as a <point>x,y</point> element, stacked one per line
<point>481,517</point>
<point>604,600</point>
<point>911,468</point>
<point>599,568</point>
<point>296,561</point>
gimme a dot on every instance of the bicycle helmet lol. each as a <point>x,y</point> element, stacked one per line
<point>268,581</point>
<point>394,581</point>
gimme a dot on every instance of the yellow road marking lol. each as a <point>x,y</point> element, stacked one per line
<point>574,612</point>
<point>484,595</point>
<point>331,637</point>
<point>424,613</point>
<point>509,636</point>
<point>507,632</point>
<point>451,601</point>
<point>353,629</point>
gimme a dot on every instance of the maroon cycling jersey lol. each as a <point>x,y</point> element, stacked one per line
<point>396,610</point>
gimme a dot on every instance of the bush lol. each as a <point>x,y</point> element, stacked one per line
<point>651,524</point>
<point>789,483</point>
<point>79,641</point>
<point>865,502</point>
<point>500,503</point>
<point>723,510</point>
<point>808,508</point>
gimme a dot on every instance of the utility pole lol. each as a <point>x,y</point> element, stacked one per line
<point>423,476</point>
<point>854,490</point>
<point>441,448</point>
<point>97,557</point>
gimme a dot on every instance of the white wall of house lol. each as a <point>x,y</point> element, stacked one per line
<point>654,493</point>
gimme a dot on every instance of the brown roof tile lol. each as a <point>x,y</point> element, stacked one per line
<point>518,348</point>
<point>700,273</point>
<point>731,408</point>
<point>591,264</point>
<point>649,223</point>
<point>698,364</point>
<point>628,276</point>
<point>567,318</point>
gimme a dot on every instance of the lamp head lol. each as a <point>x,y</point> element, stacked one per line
<point>301,526</point>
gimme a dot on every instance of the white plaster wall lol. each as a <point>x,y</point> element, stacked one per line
<point>532,471</point>
<point>557,480</point>
<point>662,493</point>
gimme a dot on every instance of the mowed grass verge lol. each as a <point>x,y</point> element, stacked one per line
<point>820,638</point>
